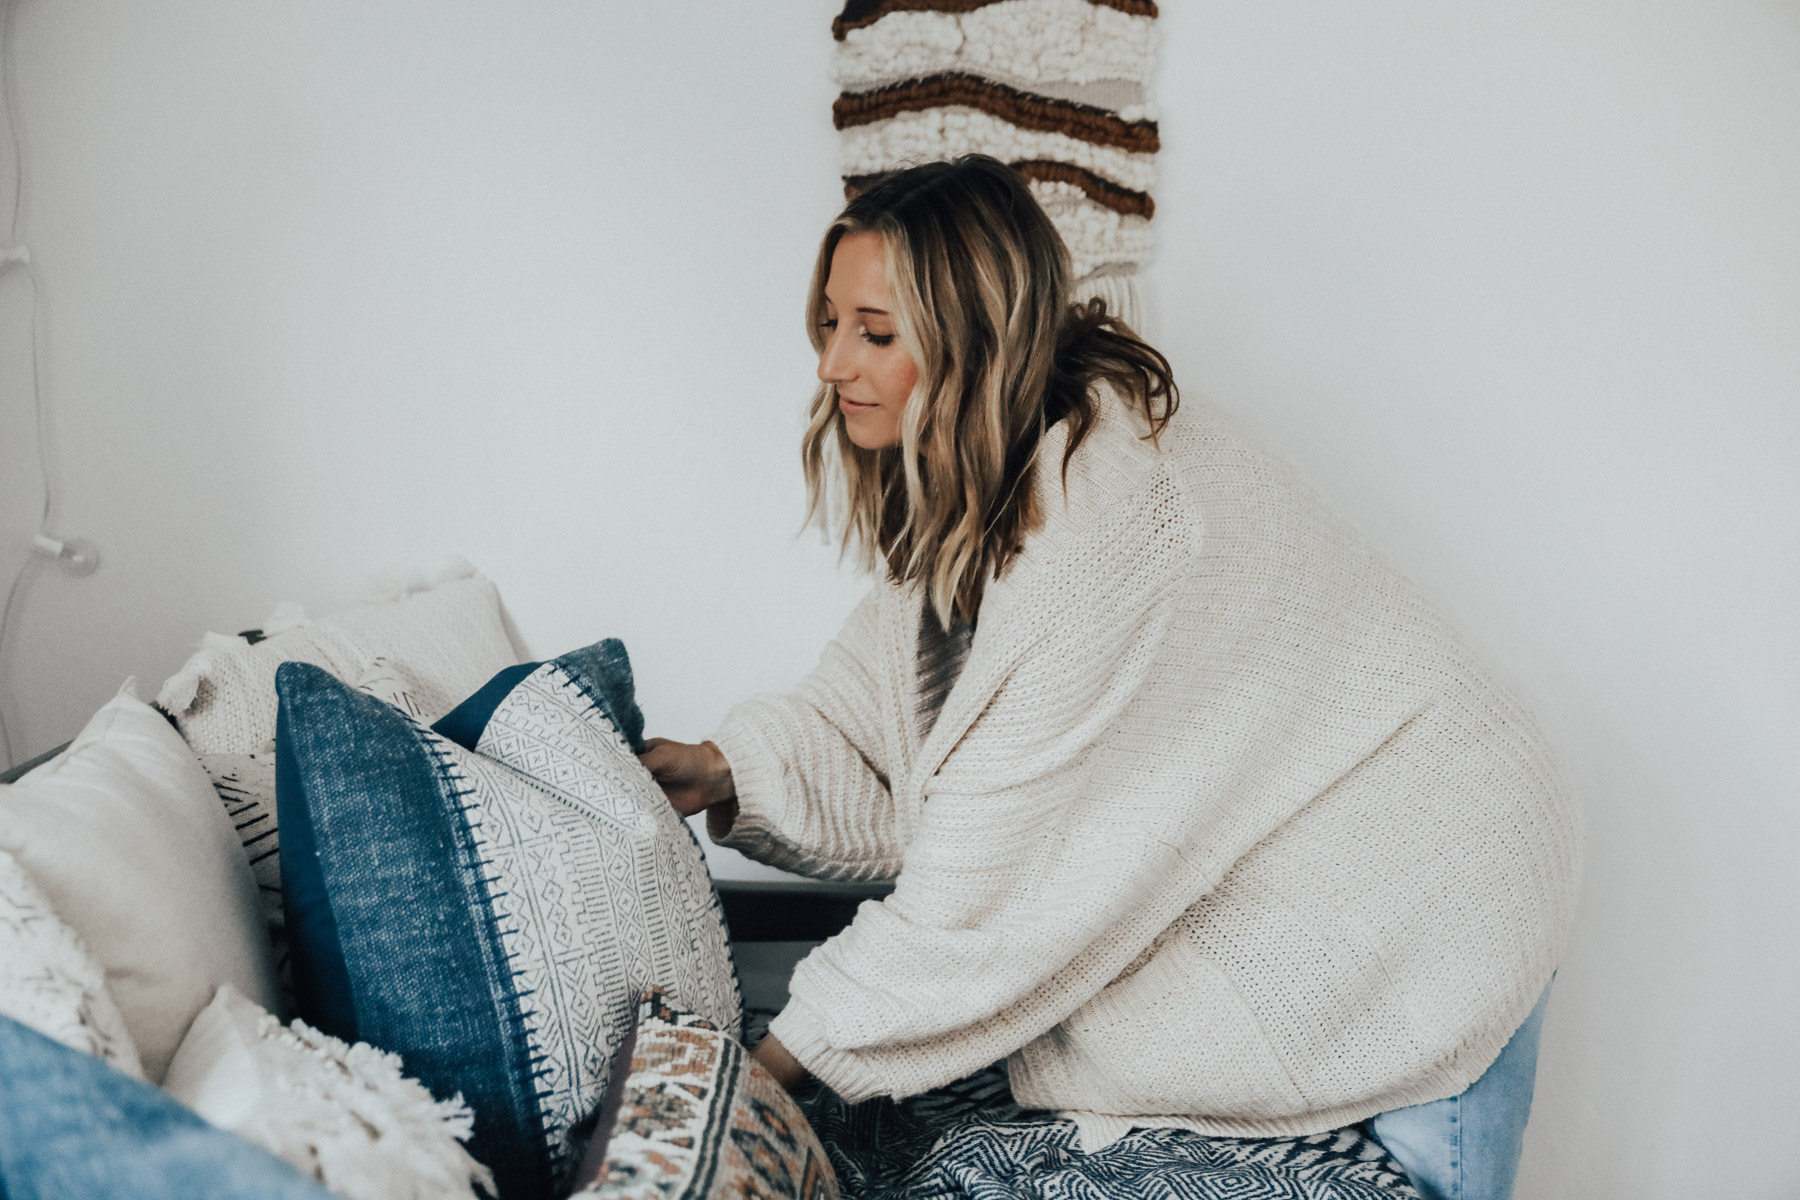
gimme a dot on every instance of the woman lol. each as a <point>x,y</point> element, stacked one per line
<point>1197,814</point>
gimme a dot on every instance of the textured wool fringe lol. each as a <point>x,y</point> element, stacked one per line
<point>1057,88</point>
<point>357,1124</point>
<point>344,1115</point>
<point>181,692</point>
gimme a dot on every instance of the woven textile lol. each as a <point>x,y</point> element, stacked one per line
<point>492,916</point>
<point>970,1139</point>
<point>422,649</point>
<point>1057,88</point>
<point>442,642</point>
<point>245,784</point>
<point>344,1115</point>
<point>698,1117</point>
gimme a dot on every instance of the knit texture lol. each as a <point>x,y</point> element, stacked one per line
<point>1220,826</point>
<point>1056,88</point>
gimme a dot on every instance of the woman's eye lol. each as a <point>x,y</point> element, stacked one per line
<point>827,324</point>
<point>878,339</point>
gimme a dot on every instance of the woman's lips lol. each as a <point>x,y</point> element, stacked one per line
<point>848,405</point>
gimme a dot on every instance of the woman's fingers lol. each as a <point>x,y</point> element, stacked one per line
<point>674,764</point>
<point>694,777</point>
<point>678,769</point>
<point>661,756</point>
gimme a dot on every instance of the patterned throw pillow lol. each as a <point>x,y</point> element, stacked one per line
<point>443,642</point>
<point>492,916</point>
<point>697,1118</point>
<point>246,786</point>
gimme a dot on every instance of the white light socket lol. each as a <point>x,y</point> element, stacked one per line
<point>78,556</point>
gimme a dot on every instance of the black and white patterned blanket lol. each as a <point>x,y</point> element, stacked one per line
<point>969,1140</point>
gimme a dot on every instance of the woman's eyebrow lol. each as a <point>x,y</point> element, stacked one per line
<point>879,312</point>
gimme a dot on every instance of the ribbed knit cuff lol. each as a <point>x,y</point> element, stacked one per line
<point>758,776</point>
<point>799,1030</point>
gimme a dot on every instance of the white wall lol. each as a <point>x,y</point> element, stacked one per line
<point>1520,286</point>
<point>335,289</point>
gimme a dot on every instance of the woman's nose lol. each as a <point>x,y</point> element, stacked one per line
<point>834,366</point>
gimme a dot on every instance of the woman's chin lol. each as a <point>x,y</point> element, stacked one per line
<point>865,438</point>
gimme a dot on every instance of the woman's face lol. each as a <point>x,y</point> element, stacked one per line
<point>863,358</point>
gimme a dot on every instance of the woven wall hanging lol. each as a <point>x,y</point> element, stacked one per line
<point>1057,88</point>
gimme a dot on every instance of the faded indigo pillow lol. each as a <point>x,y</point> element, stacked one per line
<point>491,911</point>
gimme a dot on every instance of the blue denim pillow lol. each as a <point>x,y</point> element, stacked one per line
<point>492,912</point>
<point>72,1126</point>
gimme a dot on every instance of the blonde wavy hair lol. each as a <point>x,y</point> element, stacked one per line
<point>981,298</point>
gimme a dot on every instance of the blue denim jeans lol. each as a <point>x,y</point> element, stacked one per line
<point>1466,1147</point>
<point>71,1126</point>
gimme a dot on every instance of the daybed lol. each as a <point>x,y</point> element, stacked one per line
<point>510,969</point>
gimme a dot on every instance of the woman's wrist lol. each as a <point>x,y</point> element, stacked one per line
<point>720,785</point>
<point>778,1062</point>
<point>720,818</point>
<point>722,808</point>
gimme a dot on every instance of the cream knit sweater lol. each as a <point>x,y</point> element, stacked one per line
<point>1220,827</point>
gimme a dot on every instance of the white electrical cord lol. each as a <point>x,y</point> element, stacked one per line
<point>15,254</point>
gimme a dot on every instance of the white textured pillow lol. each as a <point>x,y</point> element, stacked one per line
<point>438,645</point>
<point>124,835</point>
<point>50,982</point>
<point>345,1115</point>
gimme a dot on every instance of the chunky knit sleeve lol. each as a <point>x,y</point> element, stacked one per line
<point>812,767</point>
<point>1040,837</point>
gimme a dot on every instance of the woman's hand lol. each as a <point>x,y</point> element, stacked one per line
<point>783,1066</point>
<point>695,777</point>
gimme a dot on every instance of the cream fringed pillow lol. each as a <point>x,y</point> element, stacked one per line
<point>124,836</point>
<point>49,981</point>
<point>344,1115</point>
<point>437,645</point>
